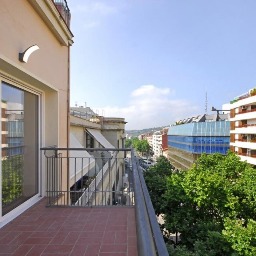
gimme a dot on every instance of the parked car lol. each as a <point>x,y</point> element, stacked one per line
<point>146,163</point>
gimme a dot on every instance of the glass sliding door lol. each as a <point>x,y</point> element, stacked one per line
<point>19,146</point>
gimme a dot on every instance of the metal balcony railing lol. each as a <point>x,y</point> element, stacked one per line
<point>245,125</point>
<point>246,111</point>
<point>247,154</point>
<point>93,177</point>
<point>88,177</point>
<point>63,9</point>
<point>92,117</point>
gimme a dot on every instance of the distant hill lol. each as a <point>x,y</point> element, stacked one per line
<point>136,133</point>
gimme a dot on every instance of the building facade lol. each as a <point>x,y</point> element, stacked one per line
<point>159,142</point>
<point>34,78</point>
<point>243,126</point>
<point>189,139</point>
<point>92,131</point>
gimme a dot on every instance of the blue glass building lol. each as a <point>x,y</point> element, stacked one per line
<point>187,141</point>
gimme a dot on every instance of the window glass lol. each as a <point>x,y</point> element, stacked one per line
<point>19,146</point>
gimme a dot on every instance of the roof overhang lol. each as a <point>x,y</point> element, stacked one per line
<point>51,16</point>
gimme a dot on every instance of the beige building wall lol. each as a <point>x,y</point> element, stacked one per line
<point>24,23</point>
<point>47,68</point>
<point>113,129</point>
<point>78,132</point>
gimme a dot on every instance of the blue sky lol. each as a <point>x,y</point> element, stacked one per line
<point>152,61</point>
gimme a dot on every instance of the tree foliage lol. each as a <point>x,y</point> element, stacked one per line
<point>212,206</point>
<point>241,235</point>
<point>156,178</point>
<point>141,146</point>
<point>128,143</point>
<point>12,173</point>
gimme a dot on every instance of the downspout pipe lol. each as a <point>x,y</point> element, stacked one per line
<point>68,119</point>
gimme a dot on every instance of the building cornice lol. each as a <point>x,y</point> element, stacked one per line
<point>52,18</point>
<point>77,121</point>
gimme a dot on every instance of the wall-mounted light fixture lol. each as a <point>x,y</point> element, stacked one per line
<point>23,56</point>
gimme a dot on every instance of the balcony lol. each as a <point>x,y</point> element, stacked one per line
<point>246,99</point>
<point>249,160</point>
<point>243,111</point>
<point>245,125</point>
<point>248,154</point>
<point>97,203</point>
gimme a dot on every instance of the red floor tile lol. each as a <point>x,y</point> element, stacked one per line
<point>113,254</point>
<point>113,248</point>
<point>43,231</point>
<point>121,237</point>
<point>109,237</point>
<point>36,250</point>
<point>132,251</point>
<point>6,248</point>
<point>23,250</point>
<point>58,249</point>
<point>79,249</point>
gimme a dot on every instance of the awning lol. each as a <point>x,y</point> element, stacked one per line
<point>100,138</point>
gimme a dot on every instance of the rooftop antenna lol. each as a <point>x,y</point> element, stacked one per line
<point>206,103</point>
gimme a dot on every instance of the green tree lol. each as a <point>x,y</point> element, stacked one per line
<point>141,146</point>
<point>241,235</point>
<point>131,142</point>
<point>128,143</point>
<point>12,169</point>
<point>203,203</point>
<point>156,178</point>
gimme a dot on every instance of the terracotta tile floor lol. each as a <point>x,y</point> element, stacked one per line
<point>71,231</point>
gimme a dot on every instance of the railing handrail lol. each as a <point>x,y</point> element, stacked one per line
<point>150,238</point>
<point>246,154</point>
<point>245,125</point>
<point>85,149</point>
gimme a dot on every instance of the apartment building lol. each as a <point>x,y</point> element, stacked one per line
<point>242,126</point>
<point>34,78</point>
<point>84,124</point>
<point>159,142</point>
<point>191,137</point>
<point>88,130</point>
